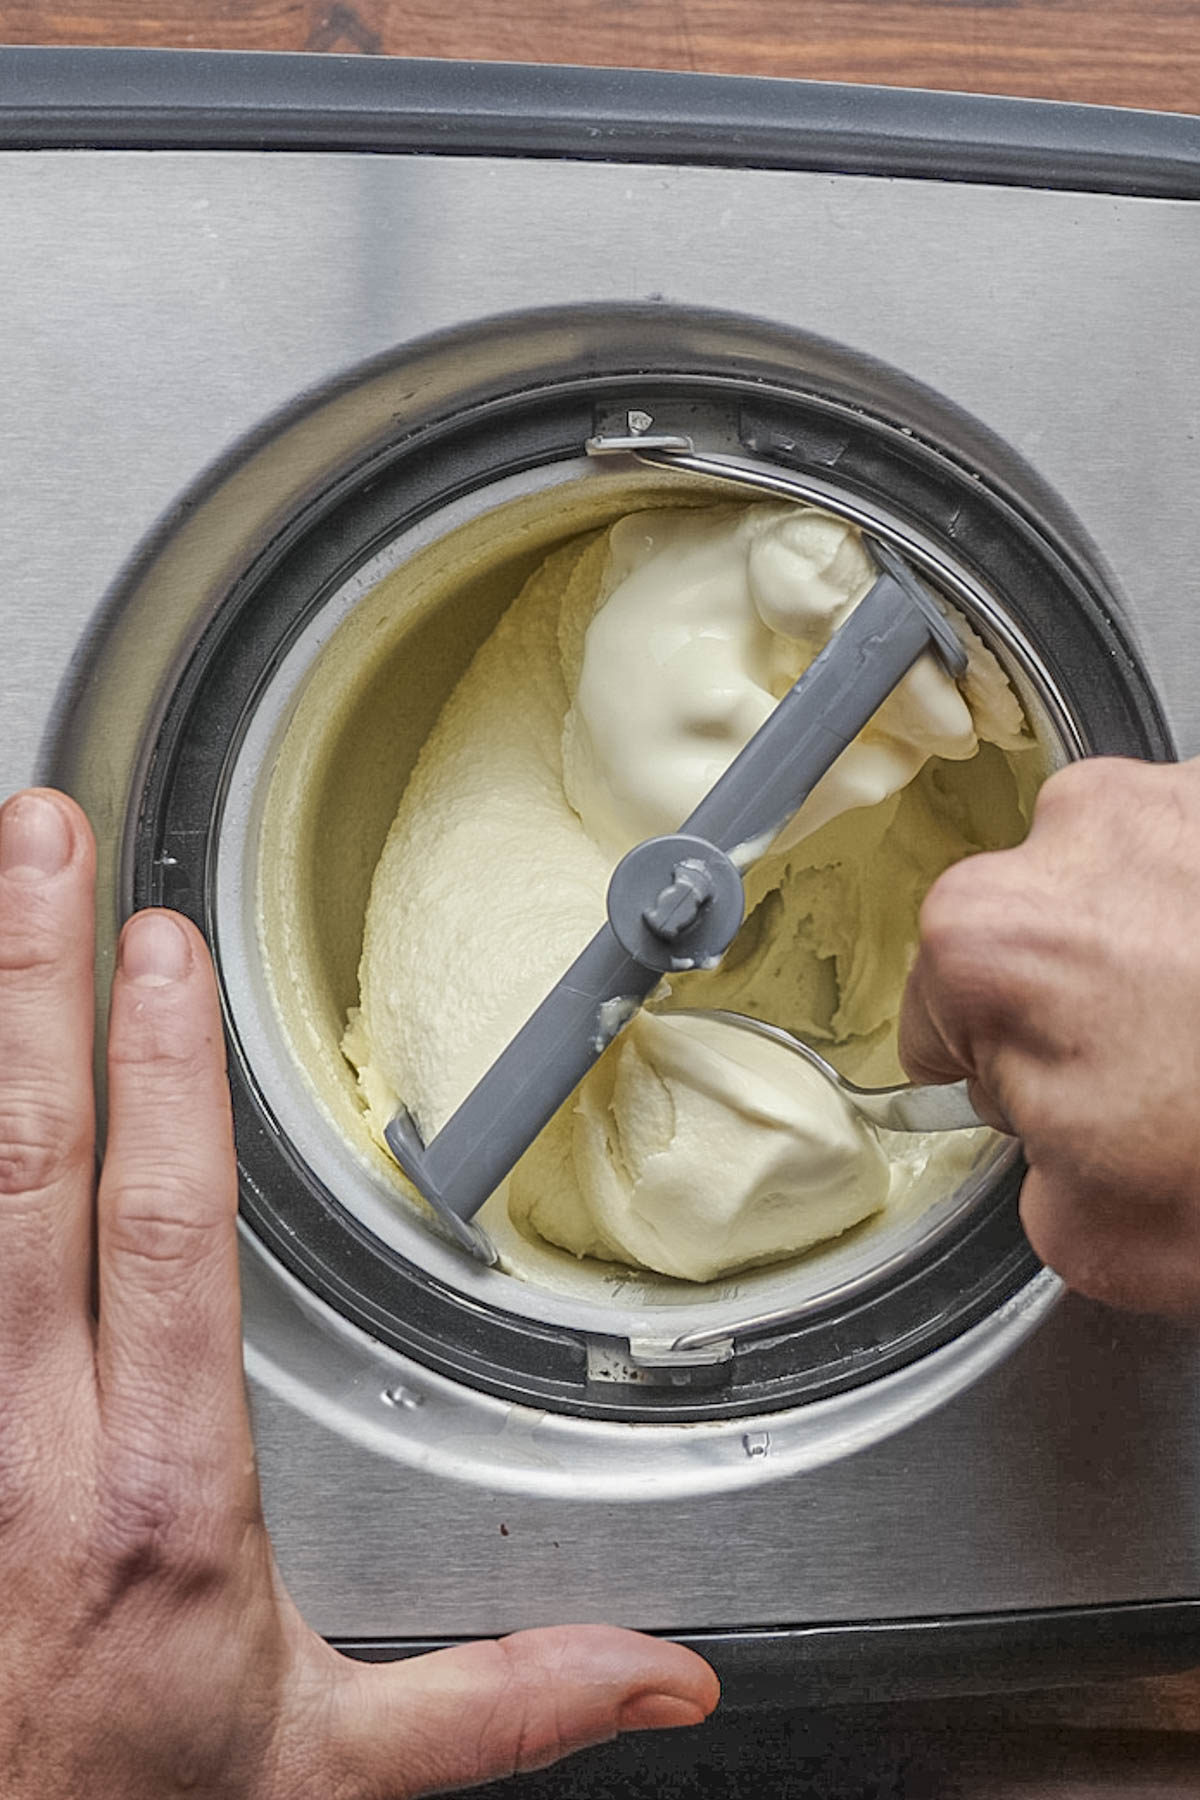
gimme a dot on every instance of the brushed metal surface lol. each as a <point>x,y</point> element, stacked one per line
<point>1067,1475</point>
<point>156,308</point>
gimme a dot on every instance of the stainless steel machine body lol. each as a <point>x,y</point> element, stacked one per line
<point>172,320</point>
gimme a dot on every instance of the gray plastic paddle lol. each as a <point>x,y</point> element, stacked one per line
<point>674,902</point>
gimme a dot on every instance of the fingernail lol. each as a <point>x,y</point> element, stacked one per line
<point>155,950</point>
<point>659,1712</point>
<point>35,839</point>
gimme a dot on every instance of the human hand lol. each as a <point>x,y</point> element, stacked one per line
<point>1062,978</point>
<point>147,1646</point>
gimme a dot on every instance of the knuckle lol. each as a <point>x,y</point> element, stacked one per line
<point>32,941</point>
<point>1023,1098</point>
<point>152,1526</point>
<point>1077,780</point>
<point>943,922</point>
<point>514,1728</point>
<point>1091,784</point>
<point>158,1041</point>
<point>959,911</point>
<point>511,1727</point>
<point>532,1715</point>
<point>41,1142</point>
<point>164,1229</point>
<point>982,938</point>
<point>1088,1261</point>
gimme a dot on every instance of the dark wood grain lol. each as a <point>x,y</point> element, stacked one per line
<point>1117,52</point>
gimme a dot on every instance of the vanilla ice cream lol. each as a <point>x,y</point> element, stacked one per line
<point>621,683</point>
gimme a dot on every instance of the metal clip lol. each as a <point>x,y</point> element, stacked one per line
<point>634,443</point>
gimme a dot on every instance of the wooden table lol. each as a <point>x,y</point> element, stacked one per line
<point>1126,1739</point>
<point>1115,52</point>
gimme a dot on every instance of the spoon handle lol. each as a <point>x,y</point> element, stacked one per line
<point>942,1108</point>
<point>904,1108</point>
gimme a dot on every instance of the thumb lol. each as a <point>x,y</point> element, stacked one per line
<point>496,1708</point>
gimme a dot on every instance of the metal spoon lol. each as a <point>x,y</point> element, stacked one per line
<point>903,1108</point>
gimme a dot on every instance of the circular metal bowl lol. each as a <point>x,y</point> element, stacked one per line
<point>296,848</point>
<point>377,537</point>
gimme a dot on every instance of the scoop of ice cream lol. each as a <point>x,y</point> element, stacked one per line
<point>619,686</point>
<point>709,620</point>
<point>703,1148</point>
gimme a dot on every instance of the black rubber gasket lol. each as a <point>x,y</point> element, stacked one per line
<point>219,100</point>
<point>1051,590</point>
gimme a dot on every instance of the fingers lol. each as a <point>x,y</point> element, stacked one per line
<point>973,988</point>
<point>47,864</point>
<point>928,1052</point>
<point>169,1343</point>
<point>924,1050</point>
<point>1123,1250</point>
<point>484,1710</point>
<point>953,991</point>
